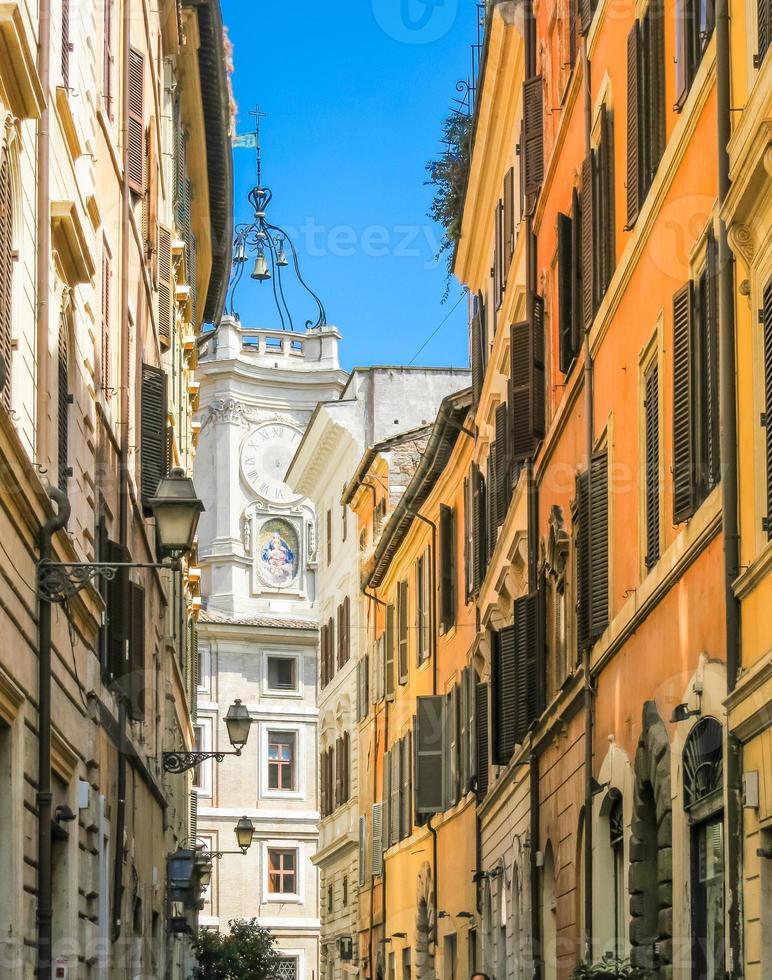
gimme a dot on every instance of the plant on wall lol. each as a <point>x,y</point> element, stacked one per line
<point>448,175</point>
<point>609,967</point>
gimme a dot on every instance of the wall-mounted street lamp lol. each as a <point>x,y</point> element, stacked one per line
<point>176,509</point>
<point>238,724</point>
<point>245,832</point>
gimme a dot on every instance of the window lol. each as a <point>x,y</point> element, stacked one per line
<point>286,968</point>
<point>63,400</point>
<point>617,844</point>
<point>107,274</point>
<point>344,891</point>
<point>651,463</point>
<point>281,673</point>
<point>153,441</point>
<point>402,630</point>
<point>696,461</point>
<point>645,105</point>
<point>448,566</point>
<point>344,632</point>
<point>329,537</point>
<point>695,20</point>
<point>281,760</point>
<point>449,958</point>
<point>344,518</point>
<point>204,668</point>
<point>598,249</point>
<point>136,150</point>
<point>763,31</point>
<point>570,284</point>
<point>423,593</point>
<point>330,898</point>
<point>108,57</point>
<point>592,551</point>
<point>202,742</point>
<point>282,871</point>
<point>389,645</point>
<point>7,263</point>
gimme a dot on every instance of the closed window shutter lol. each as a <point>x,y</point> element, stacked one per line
<point>403,627</point>
<point>135,688</point>
<point>330,649</point>
<point>447,568</point>
<point>451,791</point>
<point>430,749</point>
<point>136,136</point>
<point>6,276</point>
<point>764,29</point>
<point>533,120</point>
<point>395,759</point>
<point>520,392</point>
<point>539,399</point>
<point>323,656</point>
<point>346,630</point>
<point>498,249</point>
<point>651,414</point>
<point>683,421</point>
<point>152,431</point>
<point>323,782</point>
<point>711,459</point>
<point>565,291</point>
<point>509,219</point>
<point>586,9</point>
<point>376,859</point>
<point>490,503</point>
<point>606,243</point>
<point>766,317</point>
<point>386,800</point>
<point>588,241</point>
<point>481,739</point>
<point>599,550</point>
<point>467,549</point>
<point>362,849</point>
<point>503,467</point>
<point>583,559</point>
<point>504,695</point>
<point>406,800</point>
<point>572,11</point>
<point>576,283</point>
<point>390,652</point>
<point>478,529</point>
<point>66,47</point>
<point>477,330</point>
<point>339,771</point>
<point>528,665</point>
<point>165,284</point>
<point>63,400</point>
<point>653,75</point>
<point>193,814</point>
<point>633,124</point>
<point>463,732</point>
<point>339,618</point>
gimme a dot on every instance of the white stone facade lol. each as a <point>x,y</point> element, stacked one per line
<point>258,633</point>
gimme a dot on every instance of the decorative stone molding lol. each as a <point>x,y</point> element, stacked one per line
<point>742,242</point>
<point>230,410</point>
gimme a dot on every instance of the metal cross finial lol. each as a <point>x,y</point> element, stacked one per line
<point>258,114</point>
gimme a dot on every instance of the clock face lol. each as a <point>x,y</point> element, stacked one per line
<point>265,458</point>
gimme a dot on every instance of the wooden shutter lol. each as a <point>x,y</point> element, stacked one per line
<point>135,686</point>
<point>599,545</point>
<point>323,655</point>
<point>452,748</point>
<point>481,739</point>
<point>509,220</point>
<point>577,318</point>
<point>63,402</point>
<point>504,699</point>
<point>136,148</point>
<point>463,732</point>
<point>152,430</point>
<point>376,858</point>
<point>606,245</point>
<point>66,45</point>
<point>346,629</point>
<point>498,235</point>
<point>653,75</point>
<point>572,11</point>
<point>683,399</point>
<point>331,648</point>
<point>480,546</point>
<point>430,748</point>
<point>533,123</point>
<point>447,568</point>
<point>471,724</point>
<point>763,30</point>
<point>565,291</point>
<point>339,614</point>
<point>164,285</point>
<point>651,415</point>
<point>502,464</point>
<point>395,784</point>
<point>6,276</point>
<point>323,783</point>
<point>586,10</point>
<point>491,533</point>
<point>766,323</point>
<point>683,15</point>
<point>362,849</point>
<point>583,559</point>
<point>406,801</point>
<point>711,454</point>
<point>478,332</point>
<point>520,391</point>
<point>390,652</point>
<point>403,628</point>
<point>339,771</point>
<point>107,273</point>
<point>633,124</point>
<point>527,665</point>
<point>588,240</point>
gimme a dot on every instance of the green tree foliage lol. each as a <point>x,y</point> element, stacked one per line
<point>448,176</point>
<point>246,953</point>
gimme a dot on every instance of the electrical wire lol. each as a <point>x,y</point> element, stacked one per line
<point>437,329</point>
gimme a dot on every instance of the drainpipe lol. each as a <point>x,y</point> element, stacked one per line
<point>729,503</point>
<point>44,795</point>
<point>123,489</point>
<point>42,271</point>
<point>537,954</point>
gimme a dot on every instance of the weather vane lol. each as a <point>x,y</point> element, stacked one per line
<point>266,241</point>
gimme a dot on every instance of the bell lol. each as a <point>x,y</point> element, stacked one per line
<point>240,254</point>
<point>260,271</point>
<point>281,258</point>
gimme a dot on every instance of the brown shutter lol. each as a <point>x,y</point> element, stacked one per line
<point>654,75</point>
<point>339,622</point>
<point>66,45</point>
<point>136,148</point>
<point>572,11</point>
<point>323,782</point>
<point>476,331</point>
<point>606,245</point>
<point>577,318</point>
<point>481,739</point>
<point>338,771</point>
<point>498,263</point>
<point>633,124</point>
<point>478,529</point>
<point>599,545</point>
<point>63,402</point>
<point>151,198</point>
<point>565,291</point>
<point>135,686</point>
<point>583,559</point>
<point>390,652</point>
<point>683,422</point>
<point>491,503</point>
<point>323,656</point>
<point>533,121</point>
<point>588,242</point>
<point>764,30</point>
<point>346,629</point>
<point>403,627</point>
<point>509,219</point>
<point>165,285</point>
<point>526,665</point>
<point>502,465</point>
<point>586,9</point>
<point>683,80</point>
<point>330,648</point>
<point>651,414</point>
<point>152,430</point>
<point>504,694</point>
<point>709,334</point>
<point>766,323</point>
<point>6,276</point>
<point>447,569</point>
<point>520,391</point>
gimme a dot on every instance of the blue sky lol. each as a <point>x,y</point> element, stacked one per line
<point>355,93</point>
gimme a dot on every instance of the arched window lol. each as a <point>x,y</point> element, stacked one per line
<point>6,275</point>
<point>703,801</point>
<point>63,400</point>
<point>616,827</point>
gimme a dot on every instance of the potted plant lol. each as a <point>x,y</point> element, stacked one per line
<point>608,967</point>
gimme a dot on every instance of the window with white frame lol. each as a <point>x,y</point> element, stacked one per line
<point>282,871</point>
<point>286,968</point>
<point>202,742</point>
<point>204,668</point>
<point>282,760</point>
<point>281,674</point>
